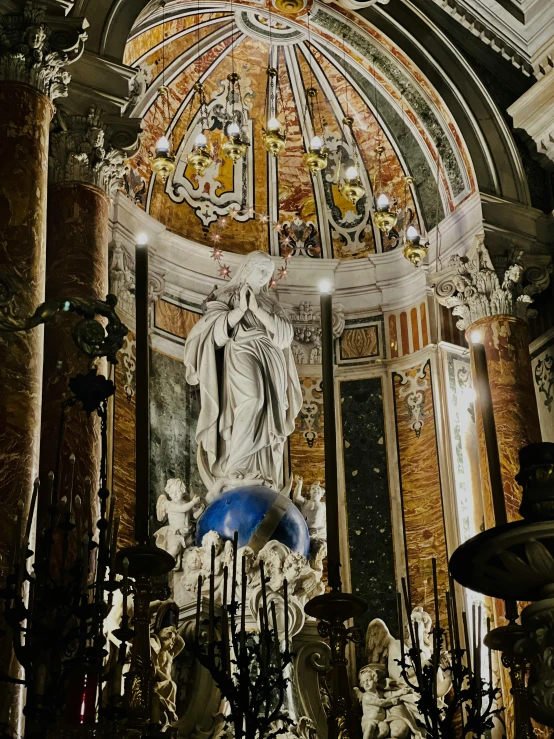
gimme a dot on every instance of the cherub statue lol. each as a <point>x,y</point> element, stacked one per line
<point>312,508</point>
<point>166,644</point>
<point>374,725</point>
<point>177,534</point>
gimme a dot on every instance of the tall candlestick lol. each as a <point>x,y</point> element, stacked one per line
<point>234,576</point>
<point>85,557</point>
<point>436,592</point>
<point>142,429</point>
<point>125,587</point>
<point>243,604</point>
<point>113,546</point>
<point>36,487</point>
<point>198,607</point>
<point>211,606</point>
<point>330,443</point>
<point>71,478</point>
<point>286,601</point>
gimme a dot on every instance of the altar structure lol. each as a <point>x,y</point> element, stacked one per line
<point>263,152</point>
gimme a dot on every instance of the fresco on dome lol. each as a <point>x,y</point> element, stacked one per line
<point>262,203</point>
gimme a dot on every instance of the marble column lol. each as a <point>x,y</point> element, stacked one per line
<point>85,170</point>
<point>506,342</point>
<point>32,76</point>
<point>493,300</point>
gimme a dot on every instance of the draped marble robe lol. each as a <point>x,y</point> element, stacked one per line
<point>248,401</point>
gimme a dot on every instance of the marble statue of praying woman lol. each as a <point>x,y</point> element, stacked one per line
<point>239,354</point>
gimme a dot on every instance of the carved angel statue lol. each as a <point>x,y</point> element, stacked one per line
<point>384,712</point>
<point>166,644</point>
<point>177,534</point>
<point>312,508</point>
<point>383,650</point>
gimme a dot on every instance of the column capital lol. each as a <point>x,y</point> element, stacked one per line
<point>480,285</point>
<point>36,48</point>
<point>91,148</point>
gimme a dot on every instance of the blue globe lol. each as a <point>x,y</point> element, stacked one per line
<point>243,509</point>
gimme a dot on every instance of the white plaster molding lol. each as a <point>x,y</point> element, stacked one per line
<point>533,115</point>
<point>521,32</point>
<point>36,48</point>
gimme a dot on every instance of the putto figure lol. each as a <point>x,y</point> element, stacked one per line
<point>178,533</point>
<point>239,354</point>
<point>312,508</point>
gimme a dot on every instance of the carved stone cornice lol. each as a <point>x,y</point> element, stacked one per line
<point>36,49</point>
<point>476,286</point>
<point>122,280</point>
<point>85,148</point>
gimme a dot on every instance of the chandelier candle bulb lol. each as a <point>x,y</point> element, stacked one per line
<point>351,173</point>
<point>316,143</point>
<point>383,202</point>
<point>162,146</point>
<point>413,235</point>
<point>233,129</point>
<point>273,124</point>
<point>201,140</point>
<point>142,433</point>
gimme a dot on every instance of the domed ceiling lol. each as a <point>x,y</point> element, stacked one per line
<point>250,205</point>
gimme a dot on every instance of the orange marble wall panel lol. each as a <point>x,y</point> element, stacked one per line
<point>415,329</point>
<point>424,332</point>
<point>404,333</point>
<point>123,447</point>
<point>174,319</point>
<point>306,447</point>
<point>420,482</point>
<point>359,343</point>
<point>393,336</point>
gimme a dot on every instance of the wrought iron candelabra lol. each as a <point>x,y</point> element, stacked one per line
<point>249,667</point>
<point>472,702</point>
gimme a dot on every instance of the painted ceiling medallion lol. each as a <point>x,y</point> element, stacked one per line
<point>290,7</point>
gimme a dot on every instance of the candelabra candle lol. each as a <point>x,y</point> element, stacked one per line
<point>125,585</point>
<point>255,687</point>
<point>470,698</point>
<point>234,576</point>
<point>198,609</point>
<point>142,430</point>
<point>285,600</point>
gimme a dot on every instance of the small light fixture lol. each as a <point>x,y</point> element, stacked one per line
<point>476,337</point>
<point>384,217</point>
<point>414,250</point>
<point>352,188</point>
<point>317,155</point>
<point>274,135</point>
<point>200,158</point>
<point>163,162</point>
<point>235,147</point>
<point>142,239</point>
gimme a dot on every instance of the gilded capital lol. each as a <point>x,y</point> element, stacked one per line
<point>90,148</point>
<point>475,286</point>
<point>36,50</point>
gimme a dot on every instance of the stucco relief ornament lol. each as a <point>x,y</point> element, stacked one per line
<point>83,148</point>
<point>306,321</point>
<point>31,51</point>
<point>122,279</point>
<point>413,389</point>
<point>478,289</point>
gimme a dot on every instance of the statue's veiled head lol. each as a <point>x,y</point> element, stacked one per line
<point>255,271</point>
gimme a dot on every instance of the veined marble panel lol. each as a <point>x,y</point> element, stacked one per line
<point>123,452</point>
<point>368,505</point>
<point>174,319</point>
<point>420,483</point>
<point>307,455</point>
<point>174,411</point>
<point>360,343</point>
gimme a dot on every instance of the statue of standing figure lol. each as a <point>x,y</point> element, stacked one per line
<point>239,353</point>
<point>178,533</point>
<point>312,508</point>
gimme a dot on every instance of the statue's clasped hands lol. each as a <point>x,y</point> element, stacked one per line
<point>247,300</point>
